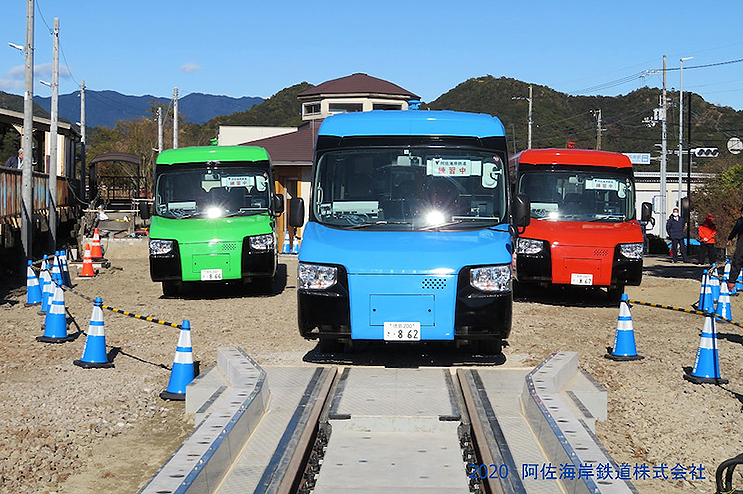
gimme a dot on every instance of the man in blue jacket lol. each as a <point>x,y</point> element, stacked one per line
<point>675,230</point>
<point>737,261</point>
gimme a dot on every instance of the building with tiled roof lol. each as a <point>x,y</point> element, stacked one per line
<point>291,149</point>
<point>353,93</point>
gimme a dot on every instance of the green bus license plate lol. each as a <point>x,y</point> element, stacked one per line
<point>211,274</point>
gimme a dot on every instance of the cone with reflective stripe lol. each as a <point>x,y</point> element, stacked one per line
<point>183,368</point>
<point>707,364</point>
<point>47,288</point>
<point>55,323</point>
<point>66,280</point>
<point>726,270</point>
<point>739,281</point>
<point>96,252</point>
<point>286,248</point>
<point>33,290</point>
<point>56,271</point>
<point>295,245</point>
<point>723,304</point>
<point>714,283</point>
<point>94,352</point>
<point>706,304</point>
<point>87,271</point>
<point>624,340</point>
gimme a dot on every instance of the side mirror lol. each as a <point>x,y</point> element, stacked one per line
<point>296,212</point>
<point>144,210</point>
<point>278,203</point>
<point>521,210</point>
<point>646,212</point>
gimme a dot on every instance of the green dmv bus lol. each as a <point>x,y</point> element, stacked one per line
<point>214,217</point>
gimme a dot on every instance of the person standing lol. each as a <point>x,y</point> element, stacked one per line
<point>675,230</point>
<point>15,161</point>
<point>707,231</point>
<point>737,261</point>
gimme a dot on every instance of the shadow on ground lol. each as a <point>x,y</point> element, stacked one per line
<point>405,355</point>
<point>237,289</point>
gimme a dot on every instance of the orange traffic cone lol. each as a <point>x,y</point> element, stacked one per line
<point>87,271</point>
<point>96,252</point>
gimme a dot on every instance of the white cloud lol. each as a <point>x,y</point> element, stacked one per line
<point>190,67</point>
<point>46,69</point>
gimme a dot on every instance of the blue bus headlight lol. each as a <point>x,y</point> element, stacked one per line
<point>529,246</point>
<point>491,278</point>
<point>161,247</point>
<point>316,276</point>
<point>631,251</point>
<point>262,242</point>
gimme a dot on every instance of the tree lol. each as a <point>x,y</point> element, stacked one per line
<point>721,195</point>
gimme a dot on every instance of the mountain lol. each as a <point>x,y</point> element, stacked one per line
<point>104,108</point>
<point>559,118</point>
<point>14,102</point>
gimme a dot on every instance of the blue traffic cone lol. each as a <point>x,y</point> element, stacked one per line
<point>183,368</point>
<point>94,352</point>
<point>55,323</point>
<point>714,284</point>
<point>723,309</point>
<point>33,290</point>
<point>66,279</point>
<point>295,245</point>
<point>47,289</point>
<point>707,364</point>
<point>706,304</point>
<point>286,248</point>
<point>739,281</point>
<point>56,271</point>
<point>726,270</point>
<point>624,341</point>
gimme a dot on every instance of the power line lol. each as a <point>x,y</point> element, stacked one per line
<point>637,75</point>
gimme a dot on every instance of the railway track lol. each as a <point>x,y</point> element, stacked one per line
<point>369,430</point>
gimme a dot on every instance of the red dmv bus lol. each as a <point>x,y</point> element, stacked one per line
<point>583,229</point>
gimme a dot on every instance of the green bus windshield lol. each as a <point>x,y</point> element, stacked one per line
<point>212,190</point>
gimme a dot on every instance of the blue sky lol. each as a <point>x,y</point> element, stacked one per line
<point>237,48</point>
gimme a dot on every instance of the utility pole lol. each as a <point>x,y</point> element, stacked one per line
<point>159,129</point>
<point>597,114</point>
<point>681,123</point>
<point>663,157</point>
<point>27,200</point>
<point>83,172</point>
<point>52,206</point>
<point>175,118</point>
<point>530,121</point>
<point>530,118</point>
<point>688,166</point>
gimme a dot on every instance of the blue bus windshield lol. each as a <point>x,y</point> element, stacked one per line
<point>410,188</point>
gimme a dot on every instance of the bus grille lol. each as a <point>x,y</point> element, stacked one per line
<point>229,246</point>
<point>600,252</point>
<point>433,283</point>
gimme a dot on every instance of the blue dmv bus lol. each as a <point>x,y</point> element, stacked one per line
<point>410,233</point>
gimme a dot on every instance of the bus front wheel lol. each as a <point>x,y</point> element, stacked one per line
<point>171,288</point>
<point>331,345</point>
<point>490,347</point>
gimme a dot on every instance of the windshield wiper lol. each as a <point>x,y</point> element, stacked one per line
<point>367,224</point>
<point>603,217</point>
<point>245,212</point>
<point>459,221</point>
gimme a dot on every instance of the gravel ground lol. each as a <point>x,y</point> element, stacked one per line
<point>73,430</point>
